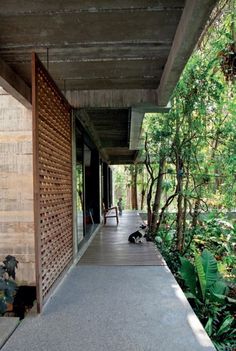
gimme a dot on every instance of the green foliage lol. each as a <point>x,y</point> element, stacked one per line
<point>198,139</point>
<point>210,269</point>
<point>218,236</point>
<point>165,243</point>
<point>222,333</point>
<point>7,284</point>
<point>188,273</point>
<point>204,274</point>
<point>201,274</point>
<point>207,292</point>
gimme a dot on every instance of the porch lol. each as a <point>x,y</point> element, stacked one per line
<point>119,297</point>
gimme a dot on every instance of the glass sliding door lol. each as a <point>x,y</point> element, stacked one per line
<point>88,196</point>
<point>92,188</point>
<point>79,186</point>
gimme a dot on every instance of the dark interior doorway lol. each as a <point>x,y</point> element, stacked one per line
<point>87,185</point>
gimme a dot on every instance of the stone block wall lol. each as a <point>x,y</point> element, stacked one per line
<point>16,187</point>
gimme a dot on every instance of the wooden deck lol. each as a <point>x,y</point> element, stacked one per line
<point>110,246</point>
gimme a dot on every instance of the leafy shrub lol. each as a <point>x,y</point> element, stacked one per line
<point>208,294</point>
<point>207,275</point>
<point>165,243</point>
<point>7,282</point>
<point>219,237</point>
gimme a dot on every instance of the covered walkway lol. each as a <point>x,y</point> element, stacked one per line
<point>110,246</point>
<point>119,297</point>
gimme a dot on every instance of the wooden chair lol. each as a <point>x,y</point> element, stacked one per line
<point>111,212</point>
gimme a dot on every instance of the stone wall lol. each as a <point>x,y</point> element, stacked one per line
<point>16,187</point>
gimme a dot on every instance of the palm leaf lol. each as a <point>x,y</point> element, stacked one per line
<point>218,290</point>
<point>209,326</point>
<point>218,298</point>
<point>189,295</point>
<point>200,273</point>
<point>188,273</point>
<point>210,268</point>
<point>221,345</point>
<point>230,300</point>
<point>225,326</point>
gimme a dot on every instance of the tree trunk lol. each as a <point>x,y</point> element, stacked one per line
<point>144,188</point>
<point>213,157</point>
<point>185,209</point>
<point>196,213</point>
<point>128,196</point>
<point>167,204</point>
<point>134,174</point>
<point>142,198</point>
<point>149,199</point>
<point>179,216</point>
<point>157,200</point>
<point>179,221</point>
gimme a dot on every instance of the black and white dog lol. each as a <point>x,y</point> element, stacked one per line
<point>136,237</point>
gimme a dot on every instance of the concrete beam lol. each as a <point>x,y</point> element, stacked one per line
<point>111,98</point>
<point>121,160</point>
<point>14,85</point>
<point>112,143</point>
<point>137,115</point>
<point>151,108</point>
<point>191,25</point>
<point>135,129</point>
<point>54,7</point>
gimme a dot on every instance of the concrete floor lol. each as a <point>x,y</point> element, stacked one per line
<point>7,327</point>
<point>106,308</point>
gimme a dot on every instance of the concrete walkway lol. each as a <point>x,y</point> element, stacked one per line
<point>112,308</point>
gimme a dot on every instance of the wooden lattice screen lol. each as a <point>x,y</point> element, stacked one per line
<point>52,180</point>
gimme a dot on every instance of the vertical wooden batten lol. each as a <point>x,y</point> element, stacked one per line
<point>38,268</point>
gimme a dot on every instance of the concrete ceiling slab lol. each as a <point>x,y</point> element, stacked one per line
<point>112,130</point>
<point>53,30</point>
<point>113,54</point>
<point>52,6</point>
<point>91,44</point>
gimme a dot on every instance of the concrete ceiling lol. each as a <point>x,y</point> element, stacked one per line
<point>110,131</point>
<point>91,44</point>
<point>110,54</point>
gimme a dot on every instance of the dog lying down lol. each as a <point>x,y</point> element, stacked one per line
<point>137,237</point>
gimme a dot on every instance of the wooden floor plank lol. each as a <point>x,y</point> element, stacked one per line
<point>110,246</point>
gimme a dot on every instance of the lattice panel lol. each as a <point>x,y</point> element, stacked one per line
<point>54,175</point>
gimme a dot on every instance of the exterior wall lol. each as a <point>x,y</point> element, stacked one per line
<point>16,187</point>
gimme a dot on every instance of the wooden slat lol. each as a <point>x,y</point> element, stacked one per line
<point>52,180</point>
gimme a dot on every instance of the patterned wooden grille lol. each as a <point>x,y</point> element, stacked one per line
<point>53,180</point>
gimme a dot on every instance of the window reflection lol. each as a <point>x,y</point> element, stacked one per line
<point>79,185</point>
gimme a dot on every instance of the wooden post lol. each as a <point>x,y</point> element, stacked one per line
<point>38,266</point>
